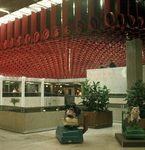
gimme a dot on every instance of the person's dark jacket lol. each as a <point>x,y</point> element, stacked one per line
<point>112,64</point>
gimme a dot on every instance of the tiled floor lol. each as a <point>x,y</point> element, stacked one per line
<point>94,139</point>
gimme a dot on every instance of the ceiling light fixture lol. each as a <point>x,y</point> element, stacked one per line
<point>17,14</point>
<point>9,17</point>
<point>44,4</point>
<point>35,7</point>
<point>25,11</point>
<point>4,11</point>
<point>3,20</point>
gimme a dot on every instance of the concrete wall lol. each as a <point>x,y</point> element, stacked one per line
<point>114,78</point>
<point>6,101</point>
<point>30,122</point>
<point>36,101</point>
<point>55,101</point>
<point>117,113</point>
<point>32,101</point>
<point>77,100</point>
<point>117,106</point>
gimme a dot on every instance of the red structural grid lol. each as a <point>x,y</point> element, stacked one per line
<point>63,57</point>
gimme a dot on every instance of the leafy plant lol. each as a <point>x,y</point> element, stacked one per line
<point>136,97</point>
<point>15,100</point>
<point>95,98</point>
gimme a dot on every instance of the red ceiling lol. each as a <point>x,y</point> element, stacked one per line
<point>60,57</point>
<point>50,58</point>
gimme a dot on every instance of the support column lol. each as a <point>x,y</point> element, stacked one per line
<point>9,88</point>
<point>42,92</point>
<point>23,92</point>
<point>28,88</point>
<point>1,89</point>
<point>52,89</point>
<point>39,87</point>
<point>134,61</point>
<point>20,86</point>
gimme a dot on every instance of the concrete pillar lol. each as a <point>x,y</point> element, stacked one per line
<point>1,89</point>
<point>134,61</point>
<point>39,86</point>
<point>9,87</point>
<point>20,86</point>
<point>28,88</point>
<point>52,89</point>
<point>23,92</point>
<point>42,92</point>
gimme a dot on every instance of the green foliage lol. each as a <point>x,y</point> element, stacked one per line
<point>15,100</point>
<point>95,98</point>
<point>136,97</point>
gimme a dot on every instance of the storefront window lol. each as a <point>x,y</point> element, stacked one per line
<point>47,88</point>
<point>9,86</point>
<point>31,87</point>
<point>11,89</point>
<point>67,89</point>
<point>58,89</point>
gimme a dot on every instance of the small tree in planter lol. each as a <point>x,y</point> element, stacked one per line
<point>95,99</point>
<point>136,97</point>
<point>14,101</point>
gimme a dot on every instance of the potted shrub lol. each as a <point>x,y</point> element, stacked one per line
<point>136,97</point>
<point>14,101</point>
<point>95,100</point>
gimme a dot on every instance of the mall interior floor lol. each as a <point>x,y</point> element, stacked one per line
<point>94,139</point>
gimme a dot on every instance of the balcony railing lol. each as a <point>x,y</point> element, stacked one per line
<point>33,94</point>
<point>10,94</point>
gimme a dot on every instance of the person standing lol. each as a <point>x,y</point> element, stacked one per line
<point>111,64</point>
<point>14,90</point>
<point>102,65</point>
